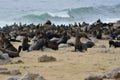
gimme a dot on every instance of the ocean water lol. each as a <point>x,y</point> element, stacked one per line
<point>58,11</point>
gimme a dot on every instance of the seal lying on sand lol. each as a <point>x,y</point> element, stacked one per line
<point>8,48</point>
<point>114,43</point>
<point>38,43</point>
<point>52,45</point>
<point>11,50</point>
<point>11,54</point>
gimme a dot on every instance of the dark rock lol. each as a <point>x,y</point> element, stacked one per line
<point>15,72</point>
<point>12,78</point>
<point>19,62</point>
<point>31,76</point>
<point>40,78</point>
<point>5,56</point>
<point>46,58</point>
<point>114,74</point>
<point>94,77</point>
<point>3,69</point>
<point>4,59</point>
<point>4,72</point>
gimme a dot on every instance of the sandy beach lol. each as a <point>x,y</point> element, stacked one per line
<point>76,37</point>
<point>69,65</point>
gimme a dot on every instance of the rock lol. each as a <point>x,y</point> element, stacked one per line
<point>28,76</point>
<point>40,78</point>
<point>63,45</point>
<point>4,72</point>
<point>4,59</point>
<point>46,58</point>
<point>19,62</point>
<point>95,77</point>
<point>15,72</point>
<point>20,38</point>
<point>31,76</point>
<point>114,74</point>
<point>3,69</point>
<point>5,56</point>
<point>13,78</point>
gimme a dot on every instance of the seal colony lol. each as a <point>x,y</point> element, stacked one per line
<point>51,36</point>
<point>41,47</point>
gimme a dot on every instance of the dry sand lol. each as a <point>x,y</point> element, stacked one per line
<point>69,65</point>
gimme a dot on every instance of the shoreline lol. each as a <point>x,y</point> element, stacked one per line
<point>3,23</point>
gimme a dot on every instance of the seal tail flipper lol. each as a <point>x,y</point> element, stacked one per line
<point>19,49</point>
